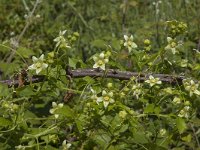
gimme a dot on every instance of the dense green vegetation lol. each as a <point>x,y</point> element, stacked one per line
<point>156,109</point>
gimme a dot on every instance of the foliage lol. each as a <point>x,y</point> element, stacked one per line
<point>100,113</point>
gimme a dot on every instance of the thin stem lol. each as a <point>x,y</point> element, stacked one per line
<point>28,22</point>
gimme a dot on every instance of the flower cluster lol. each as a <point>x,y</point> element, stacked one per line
<point>137,90</point>
<point>176,28</point>
<point>94,94</point>
<point>163,132</point>
<point>191,87</point>
<point>106,98</point>
<point>38,64</point>
<point>176,100</point>
<point>173,45</point>
<point>122,114</point>
<point>101,60</point>
<point>147,44</point>
<point>55,107</point>
<point>153,81</point>
<point>61,41</point>
<point>66,145</point>
<point>129,43</point>
<point>184,112</point>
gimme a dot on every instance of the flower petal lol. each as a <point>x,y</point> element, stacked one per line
<point>99,99</point>
<point>41,57</point>
<point>131,37</point>
<point>38,70</point>
<point>34,59</point>
<point>110,94</point>
<point>54,104</point>
<point>126,37</point>
<point>95,65</point>
<point>106,60</point>
<point>104,93</point>
<point>105,103</point>
<point>111,100</point>
<point>103,67</point>
<point>44,66</point>
<point>56,116</point>
<point>32,67</point>
<point>101,55</point>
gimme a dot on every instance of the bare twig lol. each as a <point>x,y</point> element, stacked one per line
<point>17,41</point>
<point>110,73</point>
<point>123,75</point>
<point>16,83</point>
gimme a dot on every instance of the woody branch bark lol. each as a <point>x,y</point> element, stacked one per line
<point>124,75</point>
<point>110,73</point>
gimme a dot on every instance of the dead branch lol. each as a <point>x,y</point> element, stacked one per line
<point>110,73</point>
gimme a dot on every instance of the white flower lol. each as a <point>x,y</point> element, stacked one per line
<point>122,114</point>
<point>106,98</point>
<point>153,81</point>
<point>61,41</point>
<point>55,107</point>
<point>38,64</point>
<point>173,45</point>
<point>162,132</point>
<point>137,90</point>
<point>191,87</point>
<point>129,43</point>
<point>184,112</point>
<point>66,145</point>
<point>176,100</point>
<point>100,61</point>
<point>56,116</point>
<point>94,94</point>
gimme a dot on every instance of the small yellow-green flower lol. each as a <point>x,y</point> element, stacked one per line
<point>122,114</point>
<point>176,100</point>
<point>191,87</point>
<point>66,145</point>
<point>94,94</point>
<point>55,107</point>
<point>153,81</point>
<point>100,61</point>
<point>173,45</point>
<point>184,113</point>
<point>38,64</point>
<point>162,132</point>
<point>137,90</point>
<point>61,41</point>
<point>106,98</point>
<point>129,43</point>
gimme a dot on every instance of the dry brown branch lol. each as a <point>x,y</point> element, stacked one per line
<point>110,73</point>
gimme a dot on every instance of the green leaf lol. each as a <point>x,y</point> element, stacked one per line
<point>139,137</point>
<point>89,80</point>
<point>73,62</point>
<point>8,69</point>
<point>26,91</point>
<point>149,108</point>
<point>106,120</point>
<point>181,125</point>
<point>102,138</point>
<point>4,91</point>
<point>25,52</point>
<point>4,122</point>
<point>116,44</point>
<point>66,111</point>
<point>187,138</point>
<point>98,44</point>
